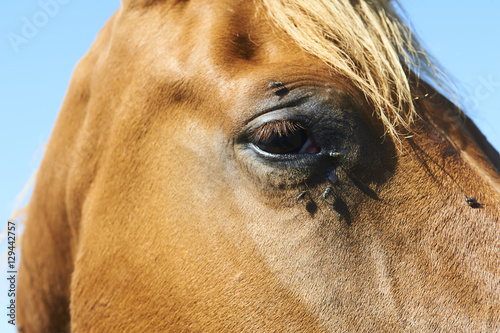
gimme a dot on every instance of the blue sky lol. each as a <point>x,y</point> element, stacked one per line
<point>463,36</point>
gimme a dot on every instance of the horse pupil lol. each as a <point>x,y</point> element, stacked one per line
<point>288,143</point>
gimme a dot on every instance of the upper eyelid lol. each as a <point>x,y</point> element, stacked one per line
<point>281,106</point>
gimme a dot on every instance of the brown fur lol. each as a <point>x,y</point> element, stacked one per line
<point>149,214</point>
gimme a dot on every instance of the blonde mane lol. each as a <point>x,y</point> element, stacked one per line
<point>365,41</point>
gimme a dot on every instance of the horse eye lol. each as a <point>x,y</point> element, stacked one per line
<point>283,137</point>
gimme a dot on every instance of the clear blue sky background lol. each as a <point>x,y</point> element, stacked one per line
<point>463,36</point>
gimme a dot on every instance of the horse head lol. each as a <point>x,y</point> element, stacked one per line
<point>261,166</point>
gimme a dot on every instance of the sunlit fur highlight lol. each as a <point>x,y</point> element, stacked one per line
<point>365,41</point>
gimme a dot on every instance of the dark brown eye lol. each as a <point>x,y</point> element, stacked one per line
<point>283,137</point>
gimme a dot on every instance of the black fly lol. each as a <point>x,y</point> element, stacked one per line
<point>276,84</point>
<point>473,202</point>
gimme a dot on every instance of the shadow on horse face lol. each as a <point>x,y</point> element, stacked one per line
<point>220,178</point>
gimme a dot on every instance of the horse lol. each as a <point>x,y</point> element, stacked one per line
<point>264,166</point>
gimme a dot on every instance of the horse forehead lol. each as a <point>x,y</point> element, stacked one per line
<point>227,35</point>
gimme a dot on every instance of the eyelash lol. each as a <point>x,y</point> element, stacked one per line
<point>279,127</point>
